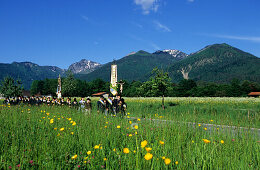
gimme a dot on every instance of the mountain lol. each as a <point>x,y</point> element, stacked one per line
<point>175,53</point>
<point>134,66</point>
<point>217,63</point>
<point>27,72</point>
<point>84,66</point>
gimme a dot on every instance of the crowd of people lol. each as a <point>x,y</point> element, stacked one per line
<point>108,106</point>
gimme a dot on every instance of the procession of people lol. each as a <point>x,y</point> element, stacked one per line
<point>108,106</point>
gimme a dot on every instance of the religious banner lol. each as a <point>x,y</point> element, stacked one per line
<point>113,82</point>
<point>59,88</point>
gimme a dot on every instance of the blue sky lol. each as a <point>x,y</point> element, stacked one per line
<point>61,32</point>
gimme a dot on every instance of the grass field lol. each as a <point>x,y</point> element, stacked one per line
<point>63,138</point>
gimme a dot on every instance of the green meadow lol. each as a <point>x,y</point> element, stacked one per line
<point>149,137</point>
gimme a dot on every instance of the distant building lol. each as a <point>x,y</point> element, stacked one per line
<point>26,93</point>
<point>254,94</point>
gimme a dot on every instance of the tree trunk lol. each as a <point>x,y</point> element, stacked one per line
<point>163,102</point>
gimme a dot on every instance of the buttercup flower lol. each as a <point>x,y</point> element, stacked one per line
<point>89,152</point>
<point>167,161</point>
<point>74,157</point>
<point>148,156</point>
<point>161,142</point>
<point>126,150</point>
<point>96,147</point>
<point>206,140</point>
<point>62,129</point>
<point>222,141</point>
<point>148,149</point>
<point>143,143</point>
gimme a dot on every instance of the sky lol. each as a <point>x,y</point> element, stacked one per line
<point>61,32</point>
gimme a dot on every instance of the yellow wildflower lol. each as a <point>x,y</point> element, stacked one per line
<point>130,135</point>
<point>206,140</point>
<point>62,129</point>
<point>51,121</point>
<point>55,128</point>
<point>222,141</point>
<point>105,159</point>
<point>148,156</point>
<point>118,127</point>
<point>136,127</point>
<point>89,152</point>
<point>143,143</point>
<point>130,122</point>
<point>74,157</point>
<point>163,157</point>
<point>126,150</point>
<point>96,147</point>
<point>72,133</point>
<point>138,119</point>
<point>167,161</point>
<point>199,124</point>
<point>74,123</point>
<point>176,162</point>
<point>148,149</point>
<point>161,142</point>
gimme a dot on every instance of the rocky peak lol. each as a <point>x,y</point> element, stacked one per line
<point>84,66</point>
<point>175,53</point>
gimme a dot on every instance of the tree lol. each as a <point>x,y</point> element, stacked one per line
<point>37,87</point>
<point>50,86</point>
<point>185,86</point>
<point>10,88</point>
<point>69,85</point>
<point>158,85</point>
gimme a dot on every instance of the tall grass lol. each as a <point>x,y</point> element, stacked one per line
<point>29,139</point>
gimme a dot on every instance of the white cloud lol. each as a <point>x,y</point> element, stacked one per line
<point>162,27</point>
<point>136,24</point>
<point>84,17</point>
<point>155,46</point>
<point>148,5</point>
<point>246,38</point>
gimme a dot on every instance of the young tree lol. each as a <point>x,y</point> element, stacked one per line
<point>69,85</point>
<point>10,88</point>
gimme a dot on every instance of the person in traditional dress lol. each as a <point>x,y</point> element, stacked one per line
<point>82,104</point>
<point>88,106</point>
<point>75,103</point>
<point>122,106</point>
<point>101,105</point>
<point>110,105</point>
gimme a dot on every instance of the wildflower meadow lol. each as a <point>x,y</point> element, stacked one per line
<point>190,133</point>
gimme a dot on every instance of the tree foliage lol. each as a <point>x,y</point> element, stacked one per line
<point>10,87</point>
